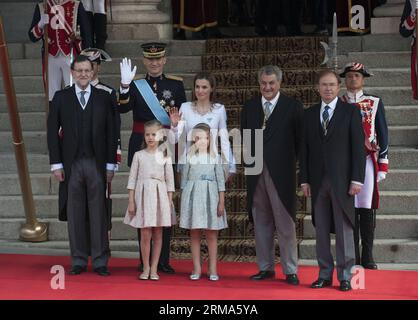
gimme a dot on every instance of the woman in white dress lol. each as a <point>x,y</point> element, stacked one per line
<point>202,109</point>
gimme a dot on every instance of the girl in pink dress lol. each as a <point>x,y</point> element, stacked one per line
<point>151,187</point>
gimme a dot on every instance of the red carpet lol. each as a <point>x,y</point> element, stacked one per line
<point>29,277</point>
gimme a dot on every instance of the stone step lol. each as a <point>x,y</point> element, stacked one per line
<point>45,184</point>
<point>373,43</point>
<point>34,84</point>
<point>400,158</point>
<point>389,10</point>
<point>115,48</point>
<point>401,115</point>
<point>396,59</point>
<point>176,64</point>
<point>384,250</point>
<point>238,228</point>
<point>400,77</point>
<point>399,96</point>
<point>394,96</point>
<point>35,141</point>
<point>35,121</point>
<point>391,202</point>
<point>385,25</point>
<point>387,226</point>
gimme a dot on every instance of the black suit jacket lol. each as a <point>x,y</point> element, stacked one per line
<point>340,153</point>
<point>63,150</point>
<point>281,143</point>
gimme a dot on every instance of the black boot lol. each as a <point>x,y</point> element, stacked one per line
<point>100,30</point>
<point>356,236</point>
<point>367,226</point>
<point>140,263</point>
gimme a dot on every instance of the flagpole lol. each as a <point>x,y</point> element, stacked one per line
<point>32,230</point>
<point>416,52</point>
<point>46,67</point>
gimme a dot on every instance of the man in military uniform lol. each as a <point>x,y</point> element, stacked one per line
<point>96,56</point>
<point>376,145</point>
<point>63,18</point>
<point>150,98</point>
<point>407,29</point>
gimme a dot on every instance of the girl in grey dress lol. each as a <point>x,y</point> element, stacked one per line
<point>203,199</point>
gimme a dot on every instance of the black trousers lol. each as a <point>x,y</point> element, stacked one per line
<point>86,196</point>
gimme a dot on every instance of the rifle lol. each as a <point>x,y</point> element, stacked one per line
<point>46,54</point>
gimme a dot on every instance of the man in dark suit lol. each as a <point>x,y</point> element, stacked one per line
<point>271,196</point>
<point>82,160</point>
<point>332,168</point>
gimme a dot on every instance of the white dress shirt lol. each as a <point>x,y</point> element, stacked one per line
<point>273,102</point>
<point>332,105</point>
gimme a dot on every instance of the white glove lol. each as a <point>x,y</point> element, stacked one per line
<point>381,175</point>
<point>127,74</point>
<point>43,21</point>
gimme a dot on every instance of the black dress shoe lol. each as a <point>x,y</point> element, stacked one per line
<point>102,271</point>
<point>292,279</point>
<point>166,268</point>
<point>345,285</point>
<point>76,270</point>
<point>263,275</point>
<point>321,283</point>
<point>370,265</point>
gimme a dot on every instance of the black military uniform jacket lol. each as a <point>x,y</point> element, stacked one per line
<point>169,91</point>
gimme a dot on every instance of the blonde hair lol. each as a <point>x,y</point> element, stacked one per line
<point>155,123</point>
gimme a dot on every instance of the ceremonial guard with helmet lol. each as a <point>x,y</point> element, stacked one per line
<point>407,29</point>
<point>68,32</point>
<point>376,145</point>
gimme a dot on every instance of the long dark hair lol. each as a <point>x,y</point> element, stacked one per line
<point>206,128</point>
<point>212,82</point>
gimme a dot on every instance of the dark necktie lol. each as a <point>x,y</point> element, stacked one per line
<point>82,100</point>
<point>325,119</point>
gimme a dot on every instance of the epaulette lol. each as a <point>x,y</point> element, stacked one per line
<point>138,78</point>
<point>370,95</point>
<point>104,87</point>
<point>170,76</point>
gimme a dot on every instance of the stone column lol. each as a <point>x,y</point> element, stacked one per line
<point>138,20</point>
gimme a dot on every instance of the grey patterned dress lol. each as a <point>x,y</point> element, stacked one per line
<point>201,181</point>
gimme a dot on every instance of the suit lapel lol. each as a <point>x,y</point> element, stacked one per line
<point>276,117</point>
<point>256,116</point>
<point>317,120</point>
<point>93,110</point>
<point>76,104</point>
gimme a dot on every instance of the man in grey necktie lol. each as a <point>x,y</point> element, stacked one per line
<point>271,196</point>
<point>82,99</point>
<point>81,160</point>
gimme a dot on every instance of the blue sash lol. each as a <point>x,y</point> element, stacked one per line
<point>152,102</point>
